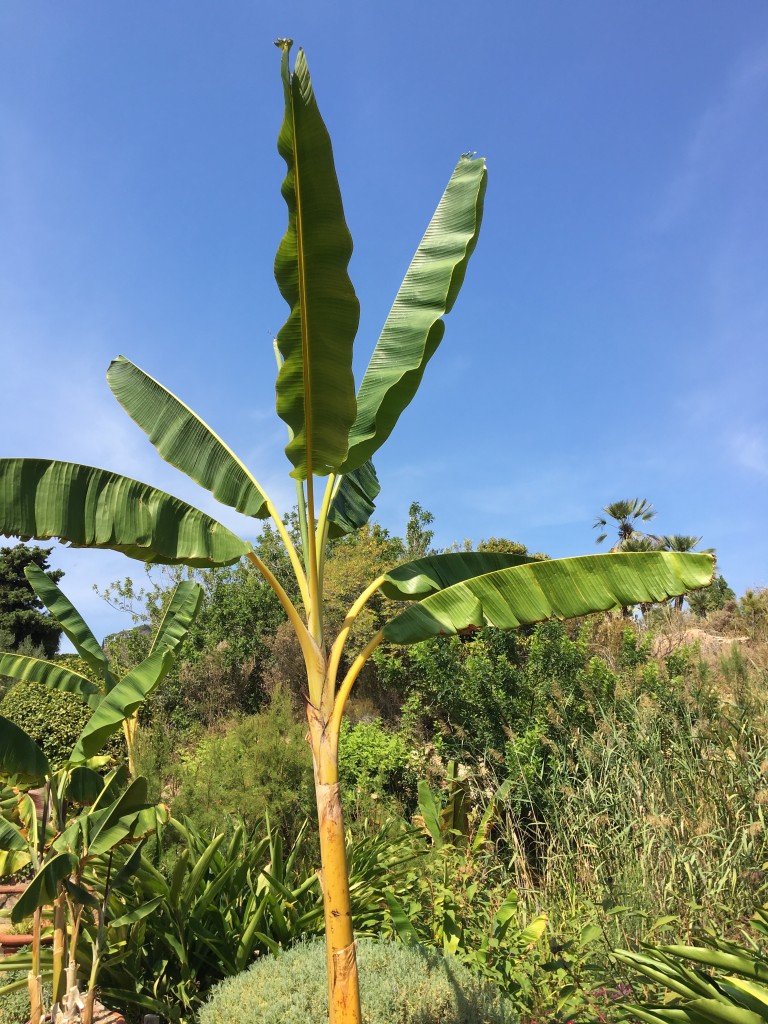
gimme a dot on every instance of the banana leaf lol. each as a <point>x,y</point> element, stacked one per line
<point>44,887</point>
<point>14,849</point>
<point>179,616</point>
<point>352,504</point>
<point>315,386</point>
<point>121,702</point>
<point>559,589</point>
<point>93,508</point>
<point>412,581</point>
<point>70,620</point>
<point>19,666</point>
<point>20,757</point>
<point>184,440</point>
<point>414,328</point>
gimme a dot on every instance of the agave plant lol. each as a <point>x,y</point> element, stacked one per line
<point>718,982</point>
<point>334,430</point>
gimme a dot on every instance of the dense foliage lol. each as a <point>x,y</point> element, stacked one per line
<point>24,627</point>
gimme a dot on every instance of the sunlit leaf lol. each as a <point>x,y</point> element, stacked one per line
<point>414,328</point>
<point>184,440</point>
<point>93,508</point>
<point>315,386</point>
<point>558,589</point>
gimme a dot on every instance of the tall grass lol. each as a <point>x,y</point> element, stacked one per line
<point>661,807</point>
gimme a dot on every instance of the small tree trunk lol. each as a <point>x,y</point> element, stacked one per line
<point>59,943</point>
<point>343,989</point>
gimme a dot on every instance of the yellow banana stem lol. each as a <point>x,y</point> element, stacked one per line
<point>344,996</point>
<point>338,644</point>
<point>59,945</point>
<point>293,554</point>
<point>315,610</point>
<point>349,681</point>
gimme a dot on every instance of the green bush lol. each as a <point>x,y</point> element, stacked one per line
<point>402,984</point>
<point>14,1006</point>
<point>372,756</point>
<point>53,719</point>
<point>247,768</point>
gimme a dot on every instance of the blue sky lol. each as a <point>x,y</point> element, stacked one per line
<point>609,340</point>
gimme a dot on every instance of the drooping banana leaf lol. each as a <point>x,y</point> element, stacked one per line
<point>44,887</point>
<point>179,616</point>
<point>19,666</point>
<point>352,504</point>
<point>20,757</point>
<point>93,508</point>
<point>315,386</point>
<point>412,581</point>
<point>184,440</point>
<point>14,849</point>
<point>121,702</point>
<point>70,620</point>
<point>414,328</point>
<point>558,589</point>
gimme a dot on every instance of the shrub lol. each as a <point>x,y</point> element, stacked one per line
<point>53,719</point>
<point>14,1005</point>
<point>250,767</point>
<point>403,984</point>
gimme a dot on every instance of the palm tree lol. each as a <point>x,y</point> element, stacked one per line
<point>626,513</point>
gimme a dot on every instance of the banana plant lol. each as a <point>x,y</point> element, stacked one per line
<point>83,820</point>
<point>334,430</point>
<point>84,817</point>
<point>114,701</point>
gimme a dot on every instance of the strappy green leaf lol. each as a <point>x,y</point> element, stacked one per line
<point>184,440</point>
<point>352,504</point>
<point>414,327</point>
<point>93,508</point>
<point>559,589</point>
<point>20,757</point>
<point>19,666</point>
<point>70,620</point>
<point>412,581</point>
<point>315,386</point>
<point>121,702</point>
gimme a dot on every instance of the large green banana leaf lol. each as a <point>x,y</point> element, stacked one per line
<point>315,386</point>
<point>184,440</point>
<point>352,504</point>
<point>414,328</point>
<point>14,849</point>
<point>412,581</point>
<point>93,508</point>
<point>20,757</point>
<point>44,887</point>
<point>179,615</point>
<point>111,825</point>
<point>559,589</point>
<point>70,620</point>
<point>121,702</point>
<point>19,666</point>
<point>84,785</point>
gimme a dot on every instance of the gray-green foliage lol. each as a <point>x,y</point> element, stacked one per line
<point>398,983</point>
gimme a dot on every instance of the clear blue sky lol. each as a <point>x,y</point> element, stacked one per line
<point>610,338</point>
